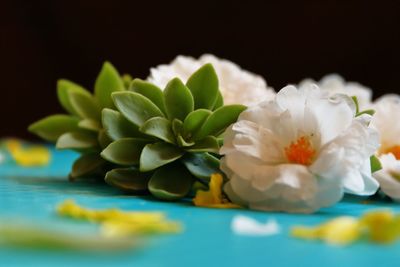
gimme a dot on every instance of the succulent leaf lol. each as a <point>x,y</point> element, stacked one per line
<point>103,139</point>
<point>87,164</point>
<point>220,101</point>
<point>178,100</point>
<point>52,127</point>
<point>90,125</point>
<point>85,105</point>
<point>171,182</point>
<point>160,128</point>
<point>136,107</point>
<point>182,142</point>
<point>219,120</point>
<point>177,127</point>
<point>150,91</point>
<point>63,89</point>
<point>207,144</point>
<point>128,179</point>
<point>201,165</point>
<point>158,154</point>
<point>107,82</point>
<point>204,87</point>
<point>79,141</point>
<point>116,126</point>
<point>194,121</point>
<point>125,151</point>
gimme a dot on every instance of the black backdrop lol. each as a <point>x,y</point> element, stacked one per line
<point>284,41</point>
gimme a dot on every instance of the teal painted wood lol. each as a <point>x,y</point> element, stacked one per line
<point>31,194</point>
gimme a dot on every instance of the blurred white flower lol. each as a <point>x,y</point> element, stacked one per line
<point>237,86</point>
<point>335,84</point>
<point>387,110</point>
<point>299,152</point>
<point>243,225</point>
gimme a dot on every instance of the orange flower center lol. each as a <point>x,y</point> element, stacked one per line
<point>395,150</point>
<point>301,151</point>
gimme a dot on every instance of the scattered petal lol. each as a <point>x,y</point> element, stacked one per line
<point>214,197</point>
<point>30,155</point>
<point>243,225</point>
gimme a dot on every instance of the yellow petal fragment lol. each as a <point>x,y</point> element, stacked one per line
<point>382,226</point>
<point>34,155</point>
<point>213,198</point>
<point>117,223</point>
<point>339,231</point>
<point>70,209</point>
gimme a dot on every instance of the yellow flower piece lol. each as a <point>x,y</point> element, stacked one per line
<point>213,198</point>
<point>115,222</point>
<point>30,156</point>
<point>339,231</point>
<point>382,226</point>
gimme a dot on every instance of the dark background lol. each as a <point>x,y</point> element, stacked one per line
<point>284,41</point>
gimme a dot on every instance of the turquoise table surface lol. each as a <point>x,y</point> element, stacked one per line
<point>31,194</point>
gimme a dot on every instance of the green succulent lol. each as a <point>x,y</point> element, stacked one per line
<point>166,140</point>
<point>81,129</point>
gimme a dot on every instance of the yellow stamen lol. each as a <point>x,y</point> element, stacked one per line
<point>214,197</point>
<point>301,151</point>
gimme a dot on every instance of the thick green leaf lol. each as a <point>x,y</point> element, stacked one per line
<point>201,165</point>
<point>127,80</point>
<point>208,144</point>
<point>160,128</point>
<point>129,179</point>
<point>219,120</point>
<point>63,89</point>
<point>87,164</point>
<point>177,127</point>
<point>194,121</point>
<point>103,139</point>
<point>135,107</point>
<point>178,100</point>
<point>150,91</point>
<point>204,87</point>
<point>158,154</point>
<point>117,127</point>
<point>85,105</point>
<point>375,164</point>
<point>220,101</point>
<point>182,142</point>
<point>124,151</point>
<point>52,127</point>
<point>107,82</point>
<point>171,182</point>
<point>90,125</point>
<point>77,140</point>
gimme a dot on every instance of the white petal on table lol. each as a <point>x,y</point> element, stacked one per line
<point>243,225</point>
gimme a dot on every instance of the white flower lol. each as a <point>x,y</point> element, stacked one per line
<point>237,86</point>
<point>387,110</point>
<point>335,84</point>
<point>299,152</point>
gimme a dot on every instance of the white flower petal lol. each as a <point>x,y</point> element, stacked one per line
<point>389,184</point>
<point>243,225</point>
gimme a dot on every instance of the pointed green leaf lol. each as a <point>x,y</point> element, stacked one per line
<point>63,89</point>
<point>177,127</point>
<point>107,82</point>
<point>77,140</point>
<point>158,154</point>
<point>171,182</point>
<point>375,164</point>
<point>117,127</point>
<point>178,100</point>
<point>135,107</point>
<point>90,125</point>
<point>220,101</point>
<point>204,87</point>
<point>85,105</point>
<point>52,127</point>
<point>150,91</point>
<point>128,179</point>
<point>194,121</point>
<point>160,128</point>
<point>201,165</point>
<point>208,144</point>
<point>182,142</point>
<point>124,151</point>
<point>219,120</point>
<point>103,139</point>
<point>127,80</point>
<point>87,164</point>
